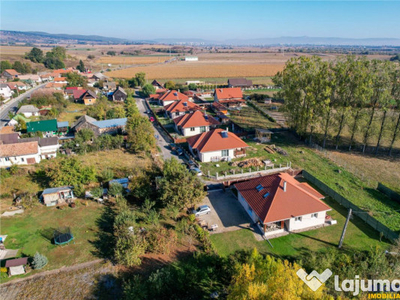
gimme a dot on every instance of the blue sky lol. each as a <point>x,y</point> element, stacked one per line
<point>214,20</point>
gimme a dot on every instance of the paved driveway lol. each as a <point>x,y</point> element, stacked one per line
<point>226,212</point>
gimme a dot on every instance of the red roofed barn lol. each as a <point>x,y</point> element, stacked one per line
<point>279,203</point>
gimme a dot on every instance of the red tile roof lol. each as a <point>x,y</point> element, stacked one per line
<point>181,106</point>
<point>12,72</point>
<point>78,93</point>
<point>298,200</point>
<point>18,149</point>
<point>173,96</point>
<point>195,119</point>
<point>228,93</point>
<point>213,141</point>
<point>60,79</point>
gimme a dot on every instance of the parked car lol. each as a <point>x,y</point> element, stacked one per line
<point>202,210</point>
<point>179,151</point>
<point>196,171</point>
<point>151,119</point>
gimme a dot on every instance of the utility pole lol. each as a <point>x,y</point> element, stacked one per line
<point>344,228</point>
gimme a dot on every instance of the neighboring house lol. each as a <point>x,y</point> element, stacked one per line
<point>76,94</point>
<point>58,195</point>
<point>219,108</point>
<point>47,77</point>
<point>109,86</point>
<point>17,86</point>
<point>172,96</point>
<point>180,108</point>
<point>7,130</point>
<point>229,97</point>
<point>157,85</point>
<point>62,127</point>
<point>10,74</point>
<point>30,78</point>
<point>194,123</point>
<point>9,138</point>
<point>99,76</point>
<point>222,94</point>
<point>279,203</point>
<point>216,145</point>
<point>239,82</point>
<point>100,127</point>
<point>119,95</point>
<point>20,153</point>
<point>14,121</point>
<point>191,58</point>
<point>61,80</point>
<point>48,147</point>
<point>47,127</point>
<point>88,97</point>
<point>28,110</point>
<point>16,266</point>
<point>5,91</point>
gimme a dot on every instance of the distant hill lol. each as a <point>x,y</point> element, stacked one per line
<point>9,36</point>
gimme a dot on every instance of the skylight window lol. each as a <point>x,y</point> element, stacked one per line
<point>266,195</point>
<point>259,188</point>
<point>224,134</point>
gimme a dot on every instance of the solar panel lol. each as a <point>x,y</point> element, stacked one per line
<point>224,134</point>
<point>266,195</point>
<point>259,187</point>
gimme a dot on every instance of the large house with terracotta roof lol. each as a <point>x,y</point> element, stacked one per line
<point>229,97</point>
<point>19,154</point>
<point>217,145</point>
<point>279,203</point>
<point>180,108</point>
<point>172,96</point>
<point>195,123</point>
<point>10,74</point>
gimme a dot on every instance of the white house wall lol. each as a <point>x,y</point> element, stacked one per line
<point>188,132</point>
<point>206,156</point>
<point>18,160</point>
<point>306,221</point>
<point>245,205</point>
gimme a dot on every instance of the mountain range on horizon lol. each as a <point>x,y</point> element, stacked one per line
<point>9,36</point>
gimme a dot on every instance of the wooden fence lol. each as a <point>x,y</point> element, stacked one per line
<point>363,215</point>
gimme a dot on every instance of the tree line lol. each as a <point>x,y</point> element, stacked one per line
<point>350,95</point>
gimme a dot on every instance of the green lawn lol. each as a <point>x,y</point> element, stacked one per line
<point>359,236</point>
<point>33,230</point>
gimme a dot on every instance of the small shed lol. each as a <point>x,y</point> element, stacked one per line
<point>62,127</point>
<point>58,195</point>
<point>16,266</point>
<point>263,135</point>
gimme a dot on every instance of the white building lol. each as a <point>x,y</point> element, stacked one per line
<point>5,91</point>
<point>28,111</point>
<point>191,58</point>
<point>194,123</point>
<point>279,203</point>
<point>217,145</point>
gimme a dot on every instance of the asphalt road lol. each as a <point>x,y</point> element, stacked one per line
<point>12,105</point>
<point>163,140</point>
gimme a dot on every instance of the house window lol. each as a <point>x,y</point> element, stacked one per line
<point>202,128</point>
<point>22,159</point>
<point>177,114</point>
<point>192,128</point>
<point>298,219</point>
<point>314,216</point>
<point>7,159</point>
<point>225,153</point>
<point>249,209</point>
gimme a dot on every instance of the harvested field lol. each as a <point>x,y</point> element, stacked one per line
<point>115,60</point>
<point>192,70</point>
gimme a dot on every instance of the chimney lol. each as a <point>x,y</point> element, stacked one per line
<point>284,186</point>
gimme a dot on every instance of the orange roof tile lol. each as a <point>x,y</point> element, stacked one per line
<point>195,119</point>
<point>18,149</point>
<point>298,200</point>
<point>213,141</point>
<point>228,93</point>
<point>182,106</point>
<point>173,96</point>
<point>60,79</point>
